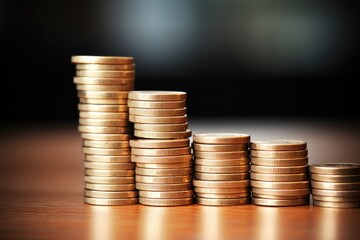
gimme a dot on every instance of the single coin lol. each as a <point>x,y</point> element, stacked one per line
<point>149,95</point>
<point>165,165</point>
<point>222,169</point>
<point>256,195</point>
<point>107,101</point>
<point>157,112</point>
<point>102,108</point>
<point>102,59</point>
<point>222,202</point>
<point>336,204</point>
<point>221,176</point>
<point>166,195</point>
<point>161,159</point>
<point>156,104</point>
<point>335,199</point>
<point>160,143</point>
<point>106,136</point>
<point>344,178</point>
<point>161,127</point>
<point>280,203</point>
<point>89,66</point>
<point>221,138</point>
<point>336,168</point>
<point>98,129</point>
<point>166,202</point>
<point>104,122</point>
<point>106,144</point>
<point>171,179</point>
<point>97,87</point>
<point>163,172</point>
<point>164,187</point>
<point>221,184</point>
<point>240,190</point>
<point>222,155</point>
<point>223,196</point>
<point>222,162</point>
<point>335,186</point>
<point>279,145</point>
<point>290,177</point>
<point>280,185</point>
<point>109,159</point>
<point>110,187</point>
<point>279,170</point>
<point>336,193</point>
<point>162,135</point>
<point>164,120</point>
<point>111,195</point>
<point>109,180</point>
<point>105,73</point>
<point>109,166</point>
<point>109,173</point>
<point>106,151</point>
<point>110,202</point>
<point>104,81</point>
<point>103,94</point>
<point>161,151</point>
<point>220,147</point>
<point>282,192</point>
<point>279,154</point>
<point>276,162</point>
<point>104,115</point>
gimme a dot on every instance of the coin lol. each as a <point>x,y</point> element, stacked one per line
<point>221,176</point>
<point>150,95</point>
<point>102,59</point>
<point>279,177</point>
<point>164,187</point>
<point>336,193</point>
<point>280,203</point>
<point>162,135</point>
<point>103,100</point>
<point>109,159</point>
<point>156,104</point>
<point>103,94</point>
<point>106,136</point>
<point>222,169</point>
<point>161,151</point>
<point>243,190</point>
<point>157,112</point>
<point>219,147</point>
<point>159,143</point>
<point>90,66</point>
<point>336,204</point>
<point>167,179</point>
<point>166,202</point>
<point>107,151</point>
<point>98,87</point>
<point>102,108</point>
<point>223,196</point>
<point>221,155</point>
<point>163,172</point>
<point>109,180</point>
<point>111,195</point>
<point>279,154</point>
<point>282,192</point>
<point>278,170</point>
<point>256,195</point>
<point>98,129</point>
<point>109,173</point>
<point>165,120</point>
<point>110,202</point>
<point>280,185</point>
<point>335,199</point>
<point>222,201</point>
<point>104,115</point>
<point>165,165</point>
<point>335,178</point>
<point>104,81</point>
<point>110,187</point>
<point>221,162</point>
<point>221,138</point>
<point>161,127</point>
<point>109,166</point>
<point>221,184</point>
<point>106,144</point>
<point>104,122</point>
<point>336,168</point>
<point>279,145</point>
<point>161,159</point>
<point>336,186</point>
<point>105,73</point>
<point>167,195</point>
<point>276,162</point>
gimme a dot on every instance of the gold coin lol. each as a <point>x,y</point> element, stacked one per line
<point>275,162</point>
<point>103,94</point>
<point>106,151</point>
<point>161,159</point>
<point>221,176</point>
<point>222,169</point>
<point>336,186</point>
<point>109,180</point>
<point>336,168</point>
<point>162,135</point>
<point>109,187</point>
<point>109,166</point>
<point>102,108</point>
<point>336,204</point>
<point>222,155</point>
<point>222,201</point>
<point>280,185</point>
<point>223,196</point>
<point>104,115</point>
<point>278,170</point>
<point>171,179</point>
<point>106,144</point>
<point>222,162</point>
<point>157,112</point>
<point>221,138</point>
<point>90,66</point>
<point>111,195</point>
<point>279,154</point>
<point>104,81</point>
<point>163,187</point>
<point>109,173</point>
<point>221,184</point>
<point>256,195</point>
<point>335,199</point>
<point>108,101</point>
<point>161,127</point>
<point>290,177</point>
<point>163,172</point>
<point>242,190</point>
<point>282,192</point>
<point>280,203</point>
<point>97,87</point>
<point>219,147</point>
<point>98,129</point>
<point>165,165</point>
<point>110,202</point>
<point>149,95</point>
<point>102,59</point>
<point>109,159</point>
<point>104,122</point>
<point>166,202</point>
<point>165,120</point>
<point>336,193</point>
<point>160,143</point>
<point>106,136</point>
<point>156,104</point>
<point>167,195</point>
<point>161,151</point>
<point>279,145</point>
<point>335,178</point>
<point>105,73</point>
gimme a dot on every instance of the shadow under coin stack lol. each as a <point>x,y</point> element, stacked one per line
<point>161,149</point>
<point>221,176</point>
<point>103,84</point>
<point>279,173</point>
<point>335,185</point>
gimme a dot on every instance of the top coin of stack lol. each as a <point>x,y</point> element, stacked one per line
<point>279,173</point>
<point>335,185</point>
<point>103,84</point>
<point>161,150</point>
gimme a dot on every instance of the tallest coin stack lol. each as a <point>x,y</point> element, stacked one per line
<point>103,84</point>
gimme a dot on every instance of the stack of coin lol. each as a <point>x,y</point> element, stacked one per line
<point>335,185</point>
<point>279,173</point>
<point>103,84</point>
<point>161,149</point>
<point>221,176</point>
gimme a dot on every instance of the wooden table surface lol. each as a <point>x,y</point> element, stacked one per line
<point>41,189</point>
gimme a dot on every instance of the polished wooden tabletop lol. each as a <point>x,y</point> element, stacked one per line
<point>41,193</point>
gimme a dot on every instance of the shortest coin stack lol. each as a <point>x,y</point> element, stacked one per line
<point>279,173</point>
<point>335,185</point>
<point>221,176</point>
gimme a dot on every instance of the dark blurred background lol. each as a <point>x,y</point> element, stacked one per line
<point>234,58</point>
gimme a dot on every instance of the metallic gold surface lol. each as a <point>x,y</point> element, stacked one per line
<point>221,138</point>
<point>222,169</point>
<point>222,202</point>
<point>279,170</point>
<point>221,184</point>
<point>161,127</point>
<point>109,173</point>
<point>157,112</point>
<point>166,202</point>
<point>279,154</point>
<point>110,202</point>
<point>106,144</point>
<point>109,166</point>
<point>175,194</point>
<point>161,151</point>
<point>219,147</point>
<point>276,162</point>
<point>335,168</point>
<point>336,204</point>
<point>279,145</point>
<point>110,195</point>
<point>221,176</point>
<point>109,180</point>
<point>165,180</point>
<point>159,143</point>
<point>161,159</point>
<point>110,187</point>
<point>102,59</point>
<point>105,73</point>
<point>221,155</point>
<point>163,172</point>
<point>162,135</point>
<point>280,203</point>
<point>155,120</point>
<point>279,177</point>
<point>280,185</point>
<point>103,94</point>
<point>102,108</point>
<point>221,162</point>
<point>163,187</point>
<point>93,66</point>
<point>156,104</point>
<point>149,95</point>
